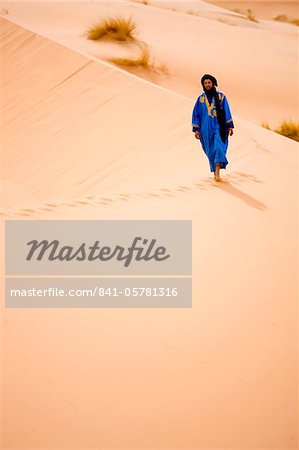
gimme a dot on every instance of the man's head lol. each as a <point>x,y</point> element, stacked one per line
<point>208,82</point>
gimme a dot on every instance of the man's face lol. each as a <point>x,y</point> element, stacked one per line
<point>208,84</point>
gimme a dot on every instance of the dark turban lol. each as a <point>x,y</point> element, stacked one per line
<point>209,77</point>
<point>220,111</point>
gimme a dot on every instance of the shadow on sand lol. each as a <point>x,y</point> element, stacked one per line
<point>248,199</point>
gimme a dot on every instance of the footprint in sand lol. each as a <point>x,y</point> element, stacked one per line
<point>167,192</point>
<point>102,203</point>
<point>199,186</point>
<point>243,175</point>
<point>183,188</point>
<point>126,196</point>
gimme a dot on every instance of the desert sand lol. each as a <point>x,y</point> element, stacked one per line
<point>263,9</point>
<point>85,140</point>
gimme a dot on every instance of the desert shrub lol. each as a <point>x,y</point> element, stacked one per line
<point>113,28</point>
<point>251,15</point>
<point>266,125</point>
<point>143,60</point>
<point>281,18</point>
<point>287,128</point>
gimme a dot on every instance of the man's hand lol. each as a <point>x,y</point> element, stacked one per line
<point>197,135</point>
<point>230,131</point>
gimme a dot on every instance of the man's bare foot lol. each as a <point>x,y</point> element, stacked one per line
<point>217,178</point>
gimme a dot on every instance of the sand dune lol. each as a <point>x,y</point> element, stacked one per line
<point>251,60</point>
<point>57,114</point>
<point>83,140</point>
<point>263,9</point>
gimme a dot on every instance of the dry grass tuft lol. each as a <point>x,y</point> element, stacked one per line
<point>265,125</point>
<point>143,60</point>
<point>287,128</point>
<point>162,68</point>
<point>281,18</point>
<point>251,15</point>
<point>113,28</point>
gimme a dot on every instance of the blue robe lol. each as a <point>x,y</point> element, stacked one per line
<point>204,120</point>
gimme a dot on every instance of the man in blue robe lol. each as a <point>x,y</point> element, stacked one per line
<point>212,123</point>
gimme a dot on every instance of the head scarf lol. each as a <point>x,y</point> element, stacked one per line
<point>220,111</point>
<point>209,77</point>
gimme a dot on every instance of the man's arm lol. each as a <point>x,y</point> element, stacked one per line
<point>196,120</point>
<point>228,115</point>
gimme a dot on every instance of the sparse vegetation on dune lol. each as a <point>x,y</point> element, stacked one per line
<point>143,59</point>
<point>287,128</point>
<point>281,18</point>
<point>251,15</point>
<point>284,18</point>
<point>295,22</point>
<point>114,29</point>
<point>265,125</point>
<point>120,29</point>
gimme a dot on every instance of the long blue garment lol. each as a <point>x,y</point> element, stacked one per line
<point>204,120</point>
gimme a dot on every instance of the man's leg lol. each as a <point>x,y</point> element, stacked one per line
<point>216,173</point>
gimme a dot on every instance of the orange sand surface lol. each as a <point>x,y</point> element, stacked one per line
<point>263,9</point>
